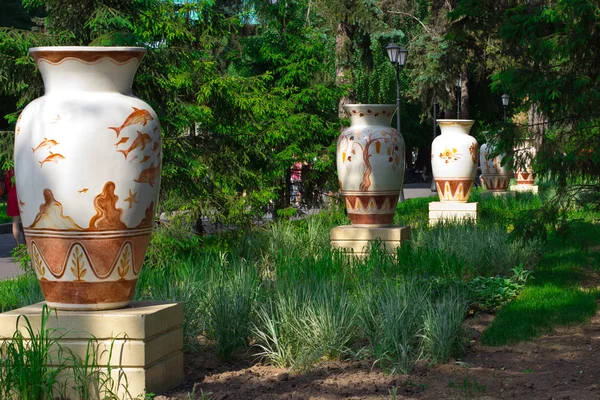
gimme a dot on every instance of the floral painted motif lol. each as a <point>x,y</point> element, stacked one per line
<point>124,263</point>
<point>450,155</point>
<point>369,112</point>
<point>38,263</point>
<point>473,152</point>
<point>78,267</point>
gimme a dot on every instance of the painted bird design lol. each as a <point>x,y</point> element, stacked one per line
<point>52,158</point>
<point>137,117</point>
<point>49,143</point>
<point>121,141</point>
<point>149,175</point>
<point>142,139</point>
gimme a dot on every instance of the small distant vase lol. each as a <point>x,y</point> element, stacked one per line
<point>454,160</point>
<point>495,176</point>
<point>87,166</point>
<point>370,165</point>
<point>525,152</point>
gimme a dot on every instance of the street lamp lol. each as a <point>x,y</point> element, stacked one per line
<point>505,99</point>
<point>397,56</point>
<point>459,86</point>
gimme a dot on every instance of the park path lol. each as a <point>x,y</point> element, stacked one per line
<point>8,268</point>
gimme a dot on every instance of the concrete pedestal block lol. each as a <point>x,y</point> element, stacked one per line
<point>146,339</point>
<point>525,188</point>
<point>359,240</point>
<point>498,194</point>
<point>448,211</point>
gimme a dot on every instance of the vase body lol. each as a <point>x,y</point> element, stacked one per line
<point>525,152</point>
<point>370,164</point>
<point>495,176</point>
<point>454,160</point>
<point>87,166</point>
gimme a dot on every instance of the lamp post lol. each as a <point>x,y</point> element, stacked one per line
<point>459,86</point>
<point>435,107</point>
<point>397,56</point>
<point>505,99</point>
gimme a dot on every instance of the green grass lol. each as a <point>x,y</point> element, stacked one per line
<point>3,217</point>
<point>555,297</point>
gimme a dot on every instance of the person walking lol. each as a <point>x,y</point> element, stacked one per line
<point>12,205</point>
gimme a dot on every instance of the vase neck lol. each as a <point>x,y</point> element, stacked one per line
<point>370,114</point>
<point>87,70</point>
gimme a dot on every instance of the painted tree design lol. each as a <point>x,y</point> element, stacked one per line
<point>78,267</point>
<point>124,263</point>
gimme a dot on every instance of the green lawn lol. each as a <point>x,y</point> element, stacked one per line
<point>3,217</point>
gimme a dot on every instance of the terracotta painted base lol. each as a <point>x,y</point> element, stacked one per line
<point>87,270</point>
<point>524,178</point>
<point>454,190</point>
<point>496,183</point>
<point>369,209</point>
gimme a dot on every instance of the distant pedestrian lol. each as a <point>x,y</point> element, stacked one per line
<point>12,204</point>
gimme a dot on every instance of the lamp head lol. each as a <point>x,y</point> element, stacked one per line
<point>505,99</point>
<point>396,54</point>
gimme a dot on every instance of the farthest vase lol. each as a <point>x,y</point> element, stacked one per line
<point>87,165</point>
<point>370,165</point>
<point>495,175</point>
<point>454,160</point>
<point>525,152</point>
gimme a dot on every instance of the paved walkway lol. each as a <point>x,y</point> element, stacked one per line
<point>8,268</point>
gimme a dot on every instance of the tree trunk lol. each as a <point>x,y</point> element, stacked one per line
<point>537,125</point>
<point>464,93</point>
<point>343,56</point>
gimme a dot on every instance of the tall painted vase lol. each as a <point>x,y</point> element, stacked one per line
<point>454,160</point>
<point>370,164</point>
<point>87,166</point>
<point>525,152</point>
<point>495,175</point>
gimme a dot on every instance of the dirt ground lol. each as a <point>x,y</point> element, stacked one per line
<point>562,365</point>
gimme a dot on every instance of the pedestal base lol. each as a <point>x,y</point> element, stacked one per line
<point>498,194</point>
<point>524,188</point>
<point>453,212</point>
<point>359,240</point>
<point>146,340</point>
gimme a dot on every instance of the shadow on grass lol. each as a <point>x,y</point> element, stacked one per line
<point>558,294</point>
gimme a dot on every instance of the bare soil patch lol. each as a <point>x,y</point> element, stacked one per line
<point>561,365</point>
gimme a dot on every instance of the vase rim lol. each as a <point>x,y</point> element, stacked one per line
<point>457,120</point>
<point>56,55</point>
<point>86,49</point>
<point>369,105</point>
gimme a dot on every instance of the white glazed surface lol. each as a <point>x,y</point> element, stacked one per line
<point>454,152</point>
<point>385,149</point>
<point>492,165</point>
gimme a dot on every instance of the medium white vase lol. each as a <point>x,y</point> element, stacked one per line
<point>525,152</point>
<point>495,175</point>
<point>370,164</point>
<point>454,160</point>
<point>87,166</point>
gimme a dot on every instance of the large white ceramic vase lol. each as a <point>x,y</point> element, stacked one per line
<point>87,166</point>
<point>525,152</point>
<point>495,175</point>
<point>454,160</point>
<point>370,164</point>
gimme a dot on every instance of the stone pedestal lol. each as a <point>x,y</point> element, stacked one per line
<point>448,211</point>
<point>498,194</point>
<point>524,188</point>
<point>146,340</point>
<point>359,240</point>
